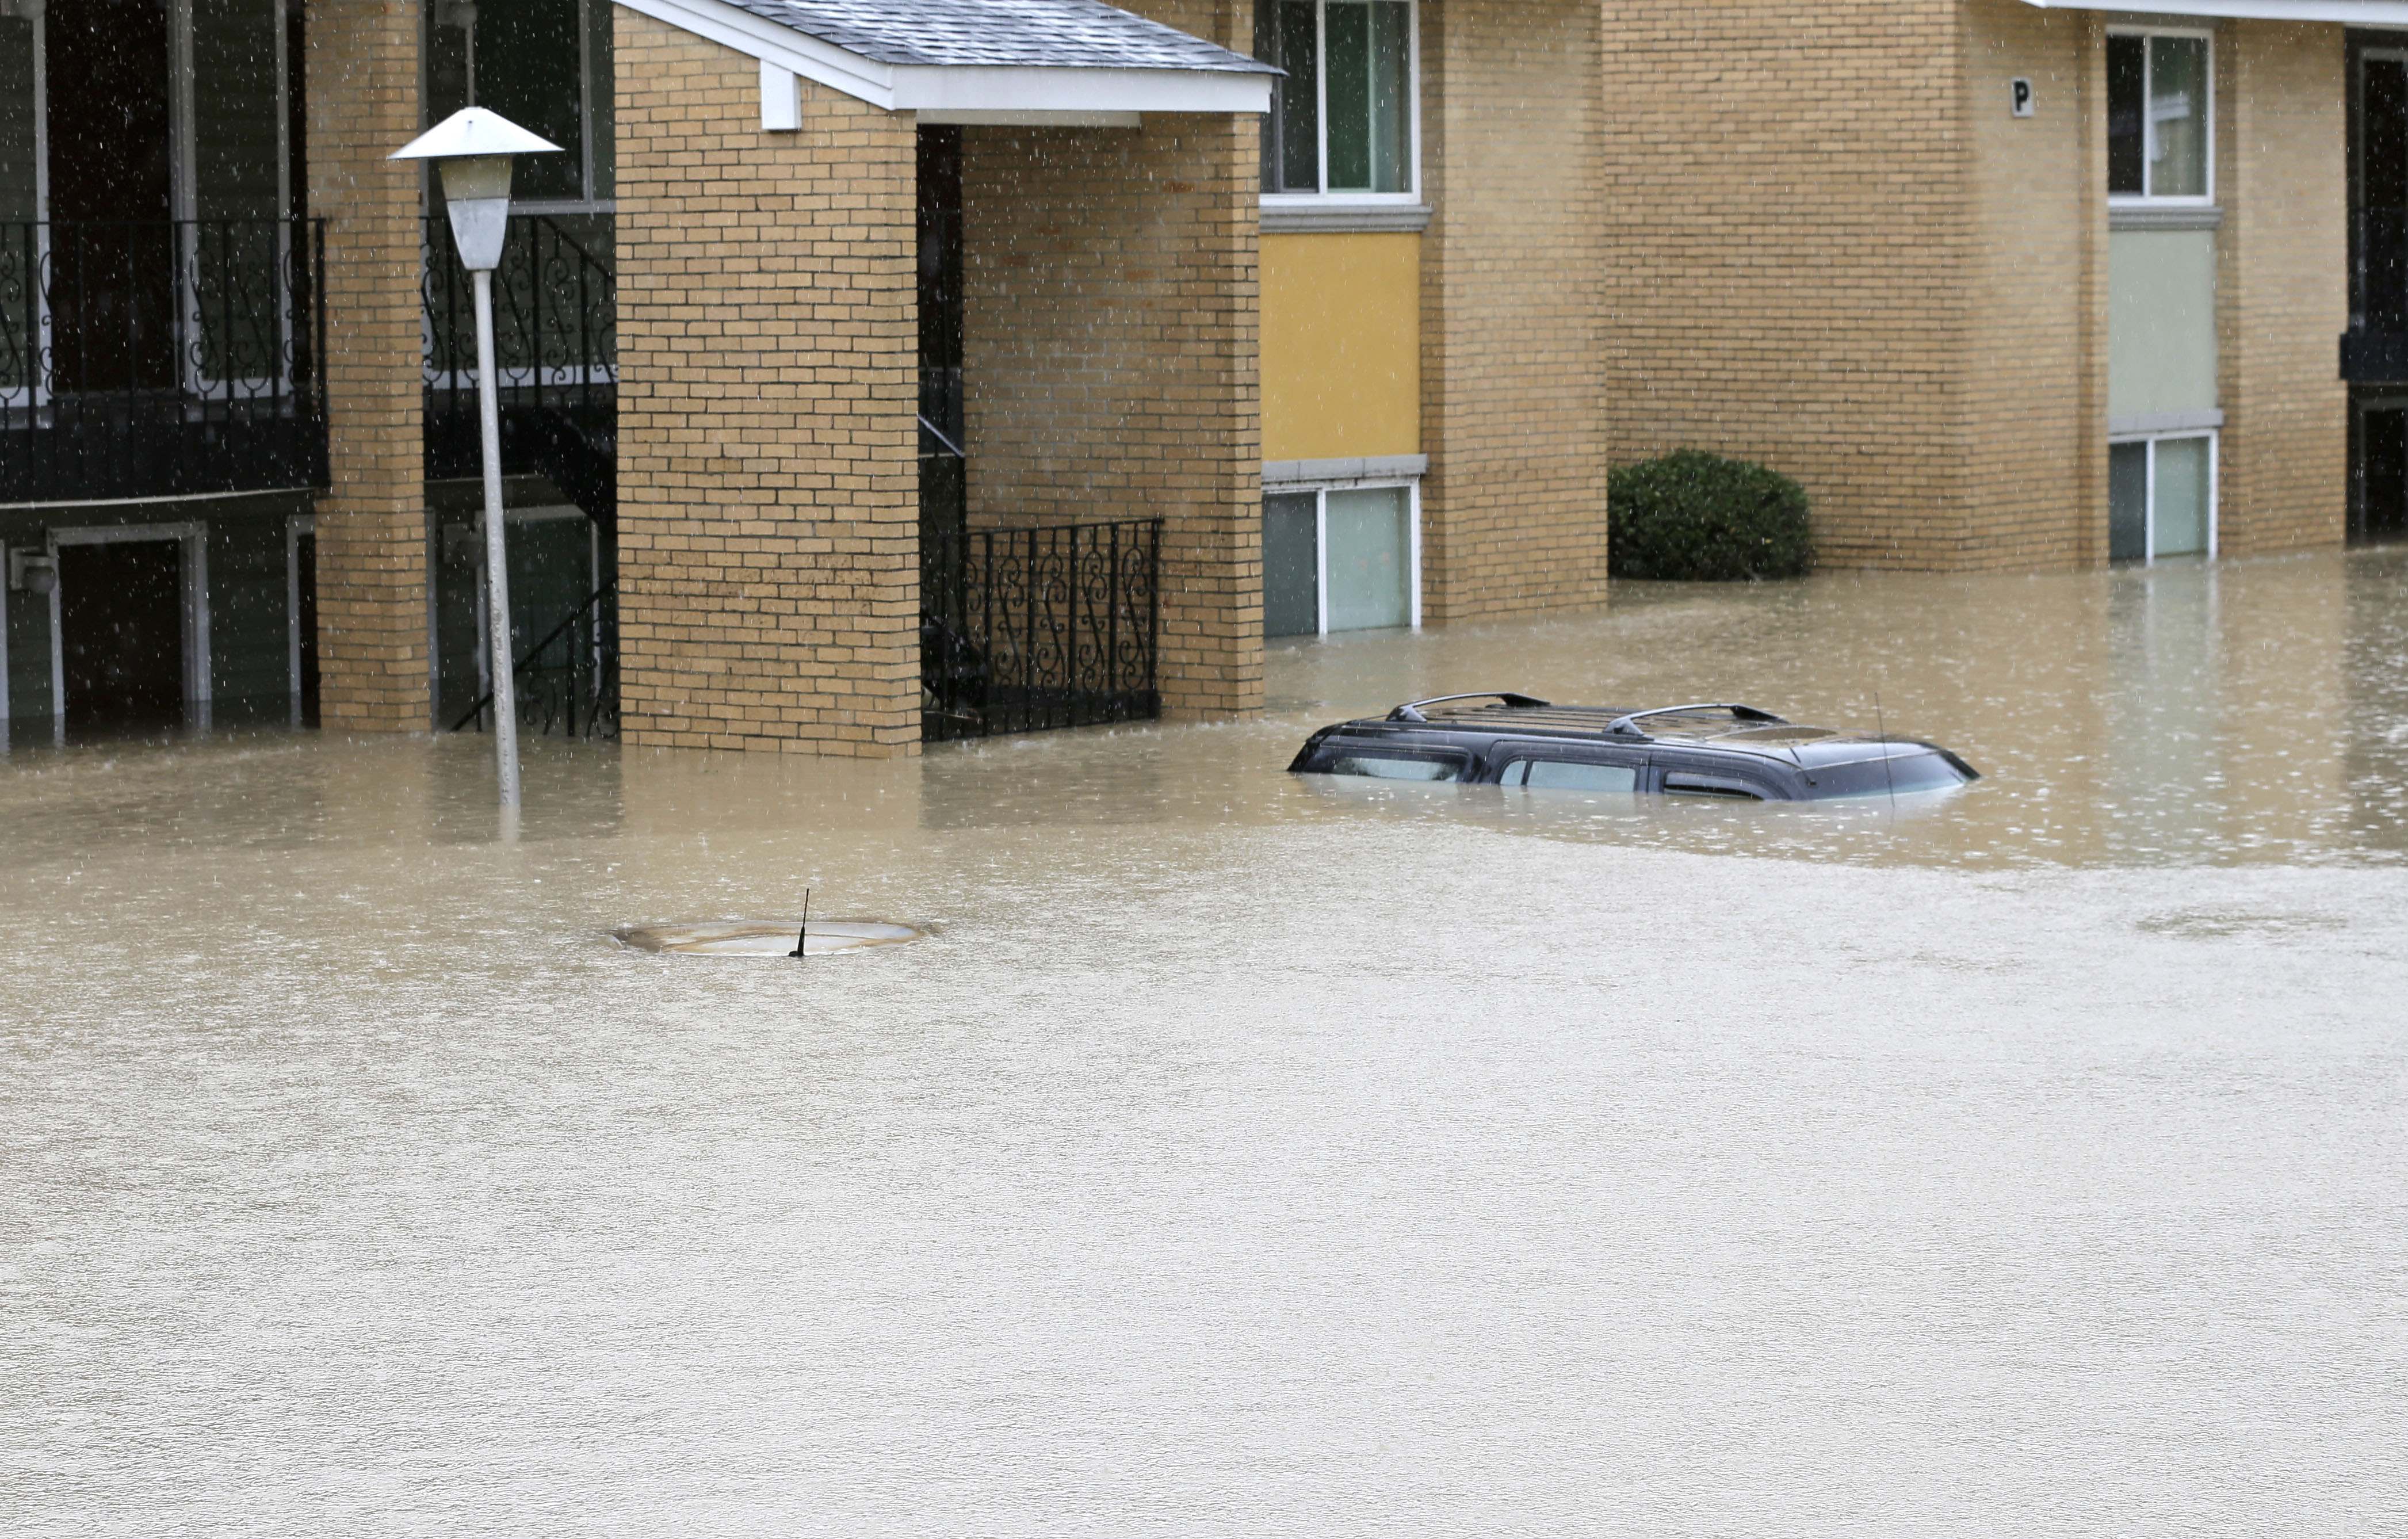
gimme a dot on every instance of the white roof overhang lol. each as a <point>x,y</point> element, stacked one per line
<point>1036,94</point>
<point>2364,13</point>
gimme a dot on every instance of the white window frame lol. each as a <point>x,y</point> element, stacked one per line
<point>1323,198</point>
<point>297,526</point>
<point>2149,497</point>
<point>1320,491</point>
<point>183,180</point>
<point>2149,127</point>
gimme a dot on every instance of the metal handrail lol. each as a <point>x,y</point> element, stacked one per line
<point>526,664</point>
<point>555,313</point>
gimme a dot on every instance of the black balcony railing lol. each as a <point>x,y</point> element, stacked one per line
<point>556,346</point>
<point>1027,629</point>
<point>567,682</point>
<point>160,359</point>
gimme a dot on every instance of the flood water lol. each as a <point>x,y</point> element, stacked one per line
<point>1245,1156</point>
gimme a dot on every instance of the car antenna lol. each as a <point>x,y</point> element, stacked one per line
<point>1889,778</point>
<point>803,937</point>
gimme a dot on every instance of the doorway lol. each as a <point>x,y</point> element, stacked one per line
<point>2379,503</point>
<point>1341,558</point>
<point>130,633</point>
<point>2161,497</point>
<point>122,632</point>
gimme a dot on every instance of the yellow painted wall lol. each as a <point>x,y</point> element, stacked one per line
<point>1341,346</point>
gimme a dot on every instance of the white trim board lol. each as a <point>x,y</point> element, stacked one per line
<point>1306,475</point>
<point>2365,13</point>
<point>1038,93</point>
<point>296,526</point>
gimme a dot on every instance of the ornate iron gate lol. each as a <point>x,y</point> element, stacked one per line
<point>1029,629</point>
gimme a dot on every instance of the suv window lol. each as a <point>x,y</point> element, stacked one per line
<point>1688,783</point>
<point>1570,775</point>
<point>1396,766</point>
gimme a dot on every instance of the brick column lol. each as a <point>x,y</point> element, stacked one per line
<point>1513,343</point>
<point>1110,337</point>
<point>768,337</point>
<point>372,613</point>
<point>2282,286</point>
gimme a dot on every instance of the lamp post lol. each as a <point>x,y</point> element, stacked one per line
<point>474,148</point>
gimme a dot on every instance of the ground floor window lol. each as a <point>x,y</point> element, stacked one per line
<point>2161,497</point>
<point>1341,558</point>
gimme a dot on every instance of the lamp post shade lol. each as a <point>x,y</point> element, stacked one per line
<point>474,147</point>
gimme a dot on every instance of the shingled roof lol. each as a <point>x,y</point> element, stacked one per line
<point>1076,62</point>
<point>1008,34</point>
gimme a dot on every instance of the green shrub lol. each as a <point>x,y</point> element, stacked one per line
<point>1697,517</point>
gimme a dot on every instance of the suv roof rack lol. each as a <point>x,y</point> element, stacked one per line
<point>1627,725</point>
<point>1412,710</point>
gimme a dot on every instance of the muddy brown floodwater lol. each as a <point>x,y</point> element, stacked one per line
<point>1239,1155</point>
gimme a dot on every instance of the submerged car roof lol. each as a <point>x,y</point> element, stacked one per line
<point>1725,725</point>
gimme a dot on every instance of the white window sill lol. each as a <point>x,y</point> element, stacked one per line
<point>1291,213</point>
<point>2159,214</point>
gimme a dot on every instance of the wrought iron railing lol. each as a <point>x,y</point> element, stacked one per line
<point>569,682</point>
<point>556,340</point>
<point>1029,629</point>
<point>160,359</point>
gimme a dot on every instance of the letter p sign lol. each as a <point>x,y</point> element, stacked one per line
<point>2020,92</point>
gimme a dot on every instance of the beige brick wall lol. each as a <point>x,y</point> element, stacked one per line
<point>767,347</point>
<point>2031,489</point>
<point>1791,225</point>
<point>2282,285</point>
<point>1514,266</point>
<point>1111,311</point>
<point>1835,250</point>
<point>372,616</point>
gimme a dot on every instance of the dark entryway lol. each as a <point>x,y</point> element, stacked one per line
<point>2375,350</point>
<point>305,627</point>
<point>2378,504</point>
<point>122,632</point>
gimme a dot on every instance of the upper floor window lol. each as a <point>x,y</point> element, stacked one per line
<point>1342,121</point>
<point>546,66</point>
<point>2160,116</point>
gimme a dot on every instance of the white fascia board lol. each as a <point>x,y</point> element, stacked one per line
<point>864,79</point>
<point>2365,13</point>
<point>1042,90</point>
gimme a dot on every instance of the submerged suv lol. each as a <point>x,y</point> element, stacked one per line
<point>1728,751</point>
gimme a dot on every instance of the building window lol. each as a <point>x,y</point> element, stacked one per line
<point>1343,122</point>
<point>2160,116</point>
<point>546,66</point>
<point>1341,558</point>
<point>2161,497</point>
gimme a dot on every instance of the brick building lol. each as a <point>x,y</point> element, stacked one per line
<point>875,371</point>
<point>2018,283</point>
